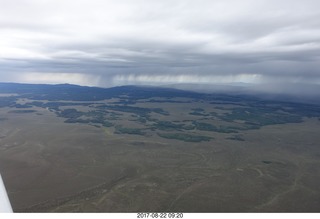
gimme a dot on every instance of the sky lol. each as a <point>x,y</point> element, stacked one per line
<point>149,42</point>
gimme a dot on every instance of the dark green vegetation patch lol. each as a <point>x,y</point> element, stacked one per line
<point>198,112</point>
<point>185,137</point>
<point>131,131</point>
<point>209,127</point>
<point>167,125</point>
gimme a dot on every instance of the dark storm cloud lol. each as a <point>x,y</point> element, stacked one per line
<point>121,42</point>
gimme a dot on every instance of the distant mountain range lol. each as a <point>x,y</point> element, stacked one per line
<point>84,93</point>
<point>302,93</point>
<point>207,92</point>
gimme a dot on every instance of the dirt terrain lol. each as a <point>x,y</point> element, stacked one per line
<point>49,165</point>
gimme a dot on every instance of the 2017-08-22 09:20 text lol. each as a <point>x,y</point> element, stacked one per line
<point>159,215</point>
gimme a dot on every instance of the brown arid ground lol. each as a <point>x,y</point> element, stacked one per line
<point>52,166</point>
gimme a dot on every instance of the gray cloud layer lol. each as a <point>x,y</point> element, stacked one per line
<point>106,42</point>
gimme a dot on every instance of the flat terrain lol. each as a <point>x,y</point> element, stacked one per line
<point>179,154</point>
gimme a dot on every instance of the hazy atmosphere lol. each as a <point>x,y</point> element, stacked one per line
<point>107,43</point>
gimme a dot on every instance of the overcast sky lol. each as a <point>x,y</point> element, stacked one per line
<point>115,42</point>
